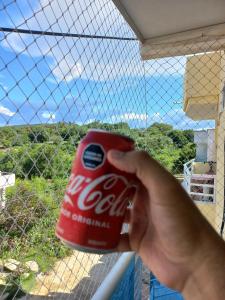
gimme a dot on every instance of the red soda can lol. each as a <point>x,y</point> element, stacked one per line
<point>96,196</point>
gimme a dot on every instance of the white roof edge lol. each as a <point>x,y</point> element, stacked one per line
<point>177,44</point>
<point>216,30</point>
<point>184,43</point>
<point>129,20</point>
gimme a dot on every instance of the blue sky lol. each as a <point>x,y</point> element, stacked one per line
<point>49,79</point>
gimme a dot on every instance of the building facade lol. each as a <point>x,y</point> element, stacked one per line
<point>205,100</point>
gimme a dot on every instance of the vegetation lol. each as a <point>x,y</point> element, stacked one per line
<point>31,150</point>
<point>41,158</point>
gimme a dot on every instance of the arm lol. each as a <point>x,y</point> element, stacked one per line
<point>169,233</point>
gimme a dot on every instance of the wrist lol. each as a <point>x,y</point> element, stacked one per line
<point>207,277</point>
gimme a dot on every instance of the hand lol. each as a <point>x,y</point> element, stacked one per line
<point>166,229</point>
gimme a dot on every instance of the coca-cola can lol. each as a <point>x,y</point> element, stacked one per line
<point>96,196</point>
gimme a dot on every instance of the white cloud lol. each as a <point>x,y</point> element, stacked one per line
<point>3,86</point>
<point>69,96</point>
<point>175,117</point>
<point>64,71</point>
<point>156,118</point>
<point>90,121</point>
<point>129,116</point>
<point>52,80</point>
<point>48,115</point>
<point>6,111</point>
<point>178,119</point>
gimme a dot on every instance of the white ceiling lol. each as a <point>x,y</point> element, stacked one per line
<point>152,20</point>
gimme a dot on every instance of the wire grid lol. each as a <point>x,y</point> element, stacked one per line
<point>53,88</point>
<point>53,83</point>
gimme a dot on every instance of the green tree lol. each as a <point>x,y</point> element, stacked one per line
<point>189,135</point>
<point>38,134</point>
<point>7,136</point>
<point>160,128</point>
<point>186,153</point>
<point>178,137</point>
<point>44,160</point>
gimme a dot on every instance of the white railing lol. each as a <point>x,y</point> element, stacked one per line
<point>201,187</point>
<point>6,180</point>
<point>108,286</point>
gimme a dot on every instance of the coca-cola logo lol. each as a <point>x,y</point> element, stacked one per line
<point>100,194</point>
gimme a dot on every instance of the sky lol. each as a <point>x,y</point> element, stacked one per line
<point>59,79</point>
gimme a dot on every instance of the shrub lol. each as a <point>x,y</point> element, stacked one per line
<point>27,224</point>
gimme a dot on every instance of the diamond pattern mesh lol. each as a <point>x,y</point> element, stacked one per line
<point>65,67</point>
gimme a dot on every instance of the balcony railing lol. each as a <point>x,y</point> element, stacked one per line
<point>199,185</point>
<point>119,284</point>
<point>6,180</point>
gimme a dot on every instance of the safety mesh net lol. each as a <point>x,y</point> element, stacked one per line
<point>66,67</point>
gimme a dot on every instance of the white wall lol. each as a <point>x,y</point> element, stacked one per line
<point>205,145</point>
<point>211,151</point>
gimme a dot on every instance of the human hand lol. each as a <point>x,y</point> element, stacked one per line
<point>166,229</point>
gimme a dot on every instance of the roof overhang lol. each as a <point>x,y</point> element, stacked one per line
<point>175,27</point>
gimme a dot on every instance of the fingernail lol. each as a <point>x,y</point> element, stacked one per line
<point>117,154</point>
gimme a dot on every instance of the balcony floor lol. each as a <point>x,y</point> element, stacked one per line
<point>161,292</point>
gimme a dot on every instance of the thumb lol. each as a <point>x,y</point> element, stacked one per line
<point>152,175</point>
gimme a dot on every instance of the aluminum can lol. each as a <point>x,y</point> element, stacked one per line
<point>97,195</point>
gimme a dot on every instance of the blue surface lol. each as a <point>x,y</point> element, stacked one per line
<point>125,289</point>
<point>129,287</point>
<point>161,292</point>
